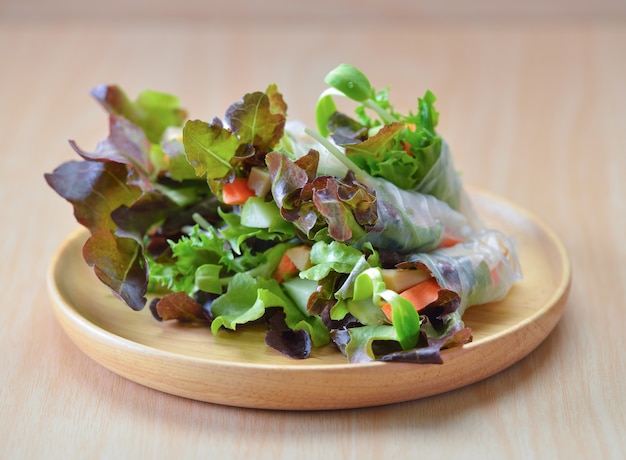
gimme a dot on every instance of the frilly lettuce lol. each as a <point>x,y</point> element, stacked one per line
<point>247,299</point>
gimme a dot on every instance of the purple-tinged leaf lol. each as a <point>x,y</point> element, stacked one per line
<point>148,210</point>
<point>256,121</point>
<point>286,176</point>
<point>379,144</point>
<point>323,298</point>
<point>118,263</point>
<point>277,103</point>
<point>447,302</point>
<point>95,189</point>
<point>296,344</point>
<point>126,144</point>
<point>346,130</point>
<point>344,206</point>
<point>178,306</point>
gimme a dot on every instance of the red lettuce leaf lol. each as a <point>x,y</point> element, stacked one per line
<point>259,118</point>
<point>346,130</point>
<point>114,190</point>
<point>324,296</point>
<point>119,264</point>
<point>287,177</point>
<point>277,103</point>
<point>324,194</point>
<point>344,207</point>
<point>447,302</point>
<point>253,126</point>
<point>293,343</point>
<point>126,144</point>
<point>149,210</point>
<point>178,306</point>
<point>379,144</point>
<point>95,189</point>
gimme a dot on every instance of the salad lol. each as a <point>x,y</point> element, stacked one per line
<point>357,234</point>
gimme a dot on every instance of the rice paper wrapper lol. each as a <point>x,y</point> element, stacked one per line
<point>443,181</point>
<point>481,270</point>
<point>409,221</point>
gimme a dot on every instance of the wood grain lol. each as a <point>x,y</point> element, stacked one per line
<point>533,112</point>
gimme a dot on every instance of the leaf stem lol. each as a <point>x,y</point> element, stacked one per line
<point>382,113</point>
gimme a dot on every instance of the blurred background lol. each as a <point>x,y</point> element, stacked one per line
<point>320,10</point>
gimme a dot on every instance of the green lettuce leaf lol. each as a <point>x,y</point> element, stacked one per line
<point>327,257</point>
<point>358,343</point>
<point>236,233</point>
<point>368,293</point>
<point>188,255</point>
<point>254,126</point>
<point>246,300</point>
<point>178,167</point>
<point>210,148</point>
<point>201,261</point>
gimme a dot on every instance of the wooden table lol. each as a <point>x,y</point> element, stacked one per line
<point>534,110</point>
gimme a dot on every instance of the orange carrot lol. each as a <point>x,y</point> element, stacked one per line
<point>286,269</point>
<point>495,277</point>
<point>449,240</point>
<point>237,191</point>
<point>420,295</point>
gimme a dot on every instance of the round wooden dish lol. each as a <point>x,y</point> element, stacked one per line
<point>238,369</point>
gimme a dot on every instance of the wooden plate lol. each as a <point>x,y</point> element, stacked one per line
<point>238,369</point>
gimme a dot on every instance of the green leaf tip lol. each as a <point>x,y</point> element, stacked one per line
<point>350,81</point>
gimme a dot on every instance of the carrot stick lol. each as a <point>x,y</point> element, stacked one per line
<point>449,241</point>
<point>420,295</point>
<point>286,269</point>
<point>237,191</point>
